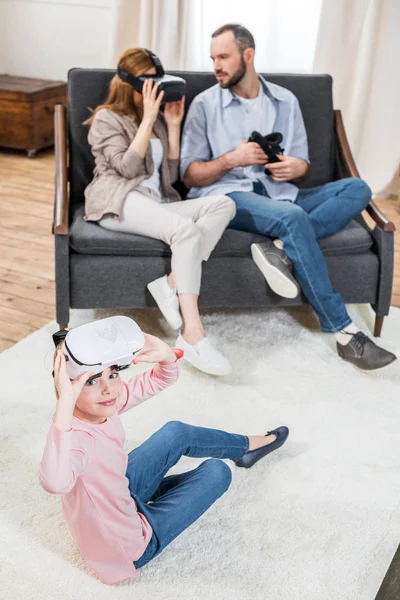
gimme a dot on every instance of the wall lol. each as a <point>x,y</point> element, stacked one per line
<point>44,38</point>
<point>3,8</point>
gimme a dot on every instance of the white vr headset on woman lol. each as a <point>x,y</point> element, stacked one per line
<point>173,87</point>
<point>95,346</point>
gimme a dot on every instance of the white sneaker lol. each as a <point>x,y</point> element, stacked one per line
<point>204,356</point>
<point>167,301</point>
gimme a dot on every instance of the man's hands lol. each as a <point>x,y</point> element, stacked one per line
<point>249,153</point>
<point>155,350</point>
<point>288,168</point>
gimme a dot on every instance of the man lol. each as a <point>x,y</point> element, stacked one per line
<point>217,158</point>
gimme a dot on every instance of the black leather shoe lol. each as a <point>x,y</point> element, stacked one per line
<point>252,456</point>
<point>364,354</point>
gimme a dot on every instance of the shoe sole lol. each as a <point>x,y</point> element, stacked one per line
<point>368,370</point>
<point>276,280</point>
<point>158,298</point>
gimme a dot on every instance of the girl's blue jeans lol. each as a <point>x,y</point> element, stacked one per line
<point>171,504</point>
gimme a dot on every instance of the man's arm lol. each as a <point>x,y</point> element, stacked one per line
<point>201,173</point>
<point>197,166</point>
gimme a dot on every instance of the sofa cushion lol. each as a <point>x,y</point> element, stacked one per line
<point>89,238</point>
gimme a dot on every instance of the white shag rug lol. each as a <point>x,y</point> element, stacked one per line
<point>317,520</point>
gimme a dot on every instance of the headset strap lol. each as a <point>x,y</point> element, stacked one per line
<point>156,62</point>
<point>136,81</point>
<point>59,336</point>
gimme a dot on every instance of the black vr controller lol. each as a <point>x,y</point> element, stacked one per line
<point>270,144</point>
<point>173,87</point>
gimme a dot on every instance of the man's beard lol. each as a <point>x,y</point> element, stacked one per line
<point>237,76</point>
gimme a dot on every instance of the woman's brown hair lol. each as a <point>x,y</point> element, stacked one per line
<point>134,61</point>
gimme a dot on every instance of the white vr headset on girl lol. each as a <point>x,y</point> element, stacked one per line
<point>95,346</point>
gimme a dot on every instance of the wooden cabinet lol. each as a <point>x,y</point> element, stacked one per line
<point>27,112</point>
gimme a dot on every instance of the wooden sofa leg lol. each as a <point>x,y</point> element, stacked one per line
<point>378,326</point>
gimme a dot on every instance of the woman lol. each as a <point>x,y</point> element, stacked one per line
<point>136,149</point>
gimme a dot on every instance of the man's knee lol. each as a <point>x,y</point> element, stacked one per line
<point>361,191</point>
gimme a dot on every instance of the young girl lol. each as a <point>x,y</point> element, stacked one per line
<point>136,149</point>
<point>121,509</point>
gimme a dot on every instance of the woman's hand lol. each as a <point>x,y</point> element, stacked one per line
<point>67,388</point>
<point>155,350</point>
<point>151,102</point>
<point>173,113</point>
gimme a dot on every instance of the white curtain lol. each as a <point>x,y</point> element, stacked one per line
<point>358,44</point>
<point>285,31</point>
<point>159,25</point>
<point>179,31</point>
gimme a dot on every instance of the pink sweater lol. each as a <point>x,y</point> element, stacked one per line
<point>87,466</point>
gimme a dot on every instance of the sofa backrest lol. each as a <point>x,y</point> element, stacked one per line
<point>87,88</point>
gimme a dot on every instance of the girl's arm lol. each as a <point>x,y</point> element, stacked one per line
<point>67,452</point>
<point>65,457</point>
<point>161,376</point>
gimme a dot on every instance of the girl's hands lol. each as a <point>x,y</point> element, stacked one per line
<point>151,102</point>
<point>65,387</point>
<point>173,112</point>
<point>155,350</point>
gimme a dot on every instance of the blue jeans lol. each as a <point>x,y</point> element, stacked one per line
<point>171,504</point>
<point>317,213</point>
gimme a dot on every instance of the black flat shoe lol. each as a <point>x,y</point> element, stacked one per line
<point>252,456</point>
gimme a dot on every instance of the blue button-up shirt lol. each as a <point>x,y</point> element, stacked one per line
<point>217,122</point>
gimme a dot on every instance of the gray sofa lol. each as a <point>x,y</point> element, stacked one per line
<point>95,268</point>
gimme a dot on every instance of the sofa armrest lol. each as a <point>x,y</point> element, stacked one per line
<point>352,171</point>
<point>61,201</point>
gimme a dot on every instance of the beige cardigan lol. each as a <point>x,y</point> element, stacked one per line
<point>119,169</point>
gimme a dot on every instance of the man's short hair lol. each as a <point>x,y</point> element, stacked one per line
<point>243,37</point>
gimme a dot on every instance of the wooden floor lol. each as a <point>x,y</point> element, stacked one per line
<point>26,244</point>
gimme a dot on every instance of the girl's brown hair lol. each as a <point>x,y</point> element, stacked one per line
<point>134,61</point>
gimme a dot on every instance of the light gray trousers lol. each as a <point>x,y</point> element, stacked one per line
<point>191,228</point>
